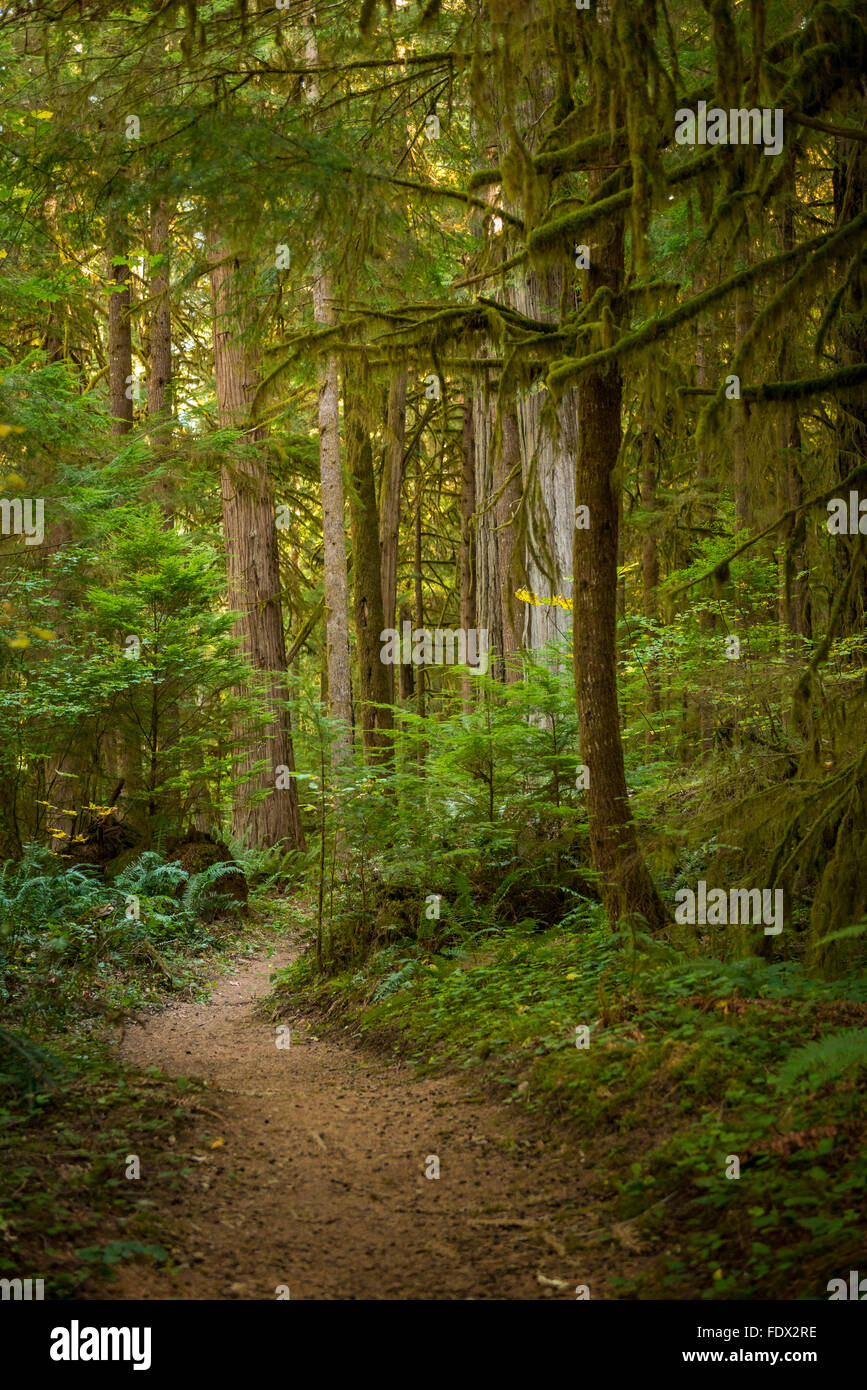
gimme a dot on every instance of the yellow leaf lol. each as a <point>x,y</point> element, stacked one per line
<point>20,641</point>
<point>571,975</point>
<point>217,1144</point>
<point>556,600</point>
<point>44,115</point>
<point>45,633</point>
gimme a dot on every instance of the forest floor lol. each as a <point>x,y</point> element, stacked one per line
<point>269,1171</point>
<point>311,1172</point>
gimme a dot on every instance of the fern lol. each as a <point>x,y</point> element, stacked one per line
<point>151,877</point>
<point>199,891</point>
<point>823,1060</point>
<point>32,892</point>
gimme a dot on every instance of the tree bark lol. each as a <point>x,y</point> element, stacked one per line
<point>389,502</point>
<point>253,579</point>
<point>406,678</point>
<point>706,367</point>
<point>119,329</point>
<point>507,483</point>
<point>160,326</point>
<point>419,596</point>
<point>795,598</point>
<point>850,200</point>
<point>336,584</point>
<point>740,432</point>
<point>650,556</point>
<point>467,557</point>
<point>625,885</point>
<point>376,723</point>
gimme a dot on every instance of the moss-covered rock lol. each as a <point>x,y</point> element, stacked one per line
<point>196,852</point>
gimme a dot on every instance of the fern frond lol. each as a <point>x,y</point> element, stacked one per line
<point>823,1060</point>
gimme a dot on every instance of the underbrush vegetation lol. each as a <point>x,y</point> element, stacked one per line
<point>78,952</point>
<point>74,943</point>
<point>687,1065</point>
<point>719,1083</point>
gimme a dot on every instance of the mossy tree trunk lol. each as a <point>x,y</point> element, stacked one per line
<point>467,578</point>
<point>374,686</point>
<point>389,501</point>
<point>120,399</point>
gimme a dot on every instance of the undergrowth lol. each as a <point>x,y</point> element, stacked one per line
<point>78,952</point>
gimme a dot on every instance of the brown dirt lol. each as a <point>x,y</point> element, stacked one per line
<point>319,1183</point>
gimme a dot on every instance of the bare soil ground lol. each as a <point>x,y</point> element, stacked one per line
<point>319,1182</point>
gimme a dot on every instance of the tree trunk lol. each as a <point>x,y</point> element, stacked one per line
<point>406,680</point>
<point>389,502</point>
<point>376,724</point>
<point>850,200</point>
<point>795,598</point>
<point>467,558</point>
<point>740,430</point>
<point>119,330</point>
<point>507,483</point>
<point>335,581</point>
<point>625,885</point>
<point>10,837</point>
<point>159,410</point>
<point>650,556</point>
<point>706,367</point>
<point>486,564</point>
<point>419,597</point>
<point>548,448</point>
<point>160,326</point>
<point>253,580</point>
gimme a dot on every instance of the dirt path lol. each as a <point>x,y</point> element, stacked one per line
<point>320,1183</point>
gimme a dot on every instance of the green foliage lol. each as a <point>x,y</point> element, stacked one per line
<point>70,944</point>
<point>200,889</point>
<point>823,1060</point>
<point>479,810</point>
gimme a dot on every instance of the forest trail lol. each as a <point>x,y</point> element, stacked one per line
<point>319,1183</point>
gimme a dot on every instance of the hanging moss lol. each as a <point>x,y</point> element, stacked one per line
<point>822,252</point>
<point>549,240</point>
